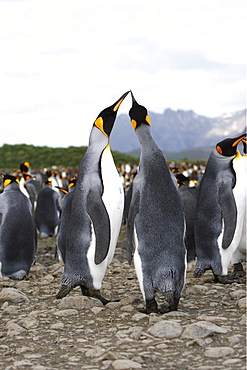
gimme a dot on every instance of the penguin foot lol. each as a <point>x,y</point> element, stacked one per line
<point>164,309</point>
<point>64,290</point>
<point>226,279</point>
<point>151,306</point>
<point>238,270</point>
<point>18,275</point>
<point>95,294</point>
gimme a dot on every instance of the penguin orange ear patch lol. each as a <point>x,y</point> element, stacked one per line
<point>134,123</point>
<point>219,150</point>
<point>148,120</point>
<point>6,183</point>
<point>99,123</point>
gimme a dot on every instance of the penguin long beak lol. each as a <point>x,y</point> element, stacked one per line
<point>105,120</point>
<point>119,102</point>
<point>133,98</point>
<point>242,138</point>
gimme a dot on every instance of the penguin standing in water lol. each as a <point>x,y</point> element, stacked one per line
<point>17,231</point>
<point>156,224</point>
<point>220,210</point>
<point>94,214</point>
<point>47,211</point>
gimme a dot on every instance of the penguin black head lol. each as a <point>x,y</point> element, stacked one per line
<point>26,176</point>
<point>48,182</point>
<point>228,146</point>
<point>9,179</point>
<point>138,114</point>
<point>72,182</point>
<point>24,167</point>
<point>106,118</point>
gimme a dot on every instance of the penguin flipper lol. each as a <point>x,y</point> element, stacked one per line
<point>229,214</point>
<point>133,211</point>
<point>100,219</point>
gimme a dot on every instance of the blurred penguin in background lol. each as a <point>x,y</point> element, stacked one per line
<point>47,211</point>
<point>17,231</point>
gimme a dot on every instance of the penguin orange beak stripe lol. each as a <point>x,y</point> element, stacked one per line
<point>118,105</point>
<point>238,141</point>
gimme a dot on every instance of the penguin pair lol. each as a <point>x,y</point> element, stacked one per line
<point>221,209</point>
<point>47,211</point>
<point>155,222</point>
<point>17,231</point>
<point>92,213</point>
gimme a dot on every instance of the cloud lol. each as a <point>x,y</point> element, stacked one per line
<point>62,62</point>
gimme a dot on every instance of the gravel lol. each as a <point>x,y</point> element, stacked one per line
<point>39,332</point>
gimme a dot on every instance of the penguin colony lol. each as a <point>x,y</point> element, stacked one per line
<point>168,224</point>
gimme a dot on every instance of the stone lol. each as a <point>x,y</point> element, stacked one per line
<point>95,352</point>
<point>210,318</point>
<point>18,364</point>
<point>218,352</point>
<point>13,295</point>
<point>10,310</point>
<point>125,364</point>
<point>166,329</point>
<point>197,289</point>
<point>77,303</point>
<point>127,308</point>
<point>57,326</point>
<point>202,329</point>
<point>29,323</point>
<point>97,310</point>
<point>14,328</point>
<point>139,316</point>
<point>242,302</point>
<point>237,294</point>
<point>68,312</point>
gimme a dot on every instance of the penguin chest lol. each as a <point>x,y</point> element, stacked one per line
<point>113,195</point>
<point>239,192</point>
<point>113,199</point>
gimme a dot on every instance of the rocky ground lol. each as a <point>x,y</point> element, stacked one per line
<point>39,332</point>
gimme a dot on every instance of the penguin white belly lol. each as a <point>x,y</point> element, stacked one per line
<point>138,263</point>
<point>240,253</point>
<point>113,199</point>
<point>239,192</point>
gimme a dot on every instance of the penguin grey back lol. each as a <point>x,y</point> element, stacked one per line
<point>17,231</point>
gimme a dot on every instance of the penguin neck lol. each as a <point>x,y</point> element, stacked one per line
<point>146,140</point>
<point>97,140</point>
<point>12,186</point>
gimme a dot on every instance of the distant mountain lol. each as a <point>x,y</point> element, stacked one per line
<point>197,153</point>
<point>176,131</point>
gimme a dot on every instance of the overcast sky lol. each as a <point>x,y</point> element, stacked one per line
<point>63,61</point>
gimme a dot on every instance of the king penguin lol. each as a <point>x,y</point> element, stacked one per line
<point>17,231</point>
<point>63,221</point>
<point>220,210</point>
<point>94,214</point>
<point>156,224</point>
<point>47,211</point>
